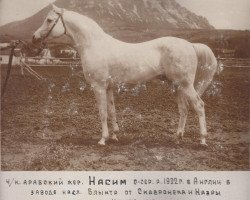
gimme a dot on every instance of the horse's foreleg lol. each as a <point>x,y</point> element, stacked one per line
<point>101,97</point>
<point>183,111</point>
<point>198,106</point>
<point>112,112</point>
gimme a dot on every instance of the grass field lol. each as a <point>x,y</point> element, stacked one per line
<point>54,125</point>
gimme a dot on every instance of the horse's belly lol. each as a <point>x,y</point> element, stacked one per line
<point>132,70</point>
<point>132,76</point>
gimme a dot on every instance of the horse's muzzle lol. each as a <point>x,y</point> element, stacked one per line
<point>35,40</point>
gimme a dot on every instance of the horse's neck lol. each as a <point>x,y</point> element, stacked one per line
<point>82,30</point>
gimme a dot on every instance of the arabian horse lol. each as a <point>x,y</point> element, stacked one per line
<point>107,62</point>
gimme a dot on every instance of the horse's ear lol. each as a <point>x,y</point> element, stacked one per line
<point>56,9</point>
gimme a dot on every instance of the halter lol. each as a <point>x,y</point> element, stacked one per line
<point>55,22</point>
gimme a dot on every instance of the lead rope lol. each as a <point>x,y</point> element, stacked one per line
<point>13,46</point>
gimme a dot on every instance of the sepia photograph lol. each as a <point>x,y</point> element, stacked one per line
<point>125,85</point>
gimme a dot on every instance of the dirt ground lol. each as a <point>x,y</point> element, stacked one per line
<point>54,125</point>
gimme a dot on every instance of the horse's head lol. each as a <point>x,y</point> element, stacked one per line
<point>52,27</point>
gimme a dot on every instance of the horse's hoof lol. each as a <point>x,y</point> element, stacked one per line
<point>102,142</point>
<point>114,137</point>
<point>179,138</point>
<point>203,142</point>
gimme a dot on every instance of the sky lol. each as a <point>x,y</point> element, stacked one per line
<point>12,10</point>
<point>222,14</point>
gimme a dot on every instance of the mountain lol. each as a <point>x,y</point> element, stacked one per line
<point>114,15</point>
<point>151,13</point>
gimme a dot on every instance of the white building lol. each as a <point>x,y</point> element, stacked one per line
<point>71,52</point>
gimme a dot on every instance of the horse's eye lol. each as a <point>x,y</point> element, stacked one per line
<point>49,20</point>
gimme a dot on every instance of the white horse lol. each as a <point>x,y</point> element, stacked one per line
<point>107,61</point>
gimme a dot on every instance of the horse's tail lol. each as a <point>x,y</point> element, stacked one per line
<point>206,68</point>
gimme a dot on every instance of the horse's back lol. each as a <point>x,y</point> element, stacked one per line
<point>167,55</point>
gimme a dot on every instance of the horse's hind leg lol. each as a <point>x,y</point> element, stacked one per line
<point>198,106</point>
<point>101,97</point>
<point>112,112</point>
<point>183,111</point>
